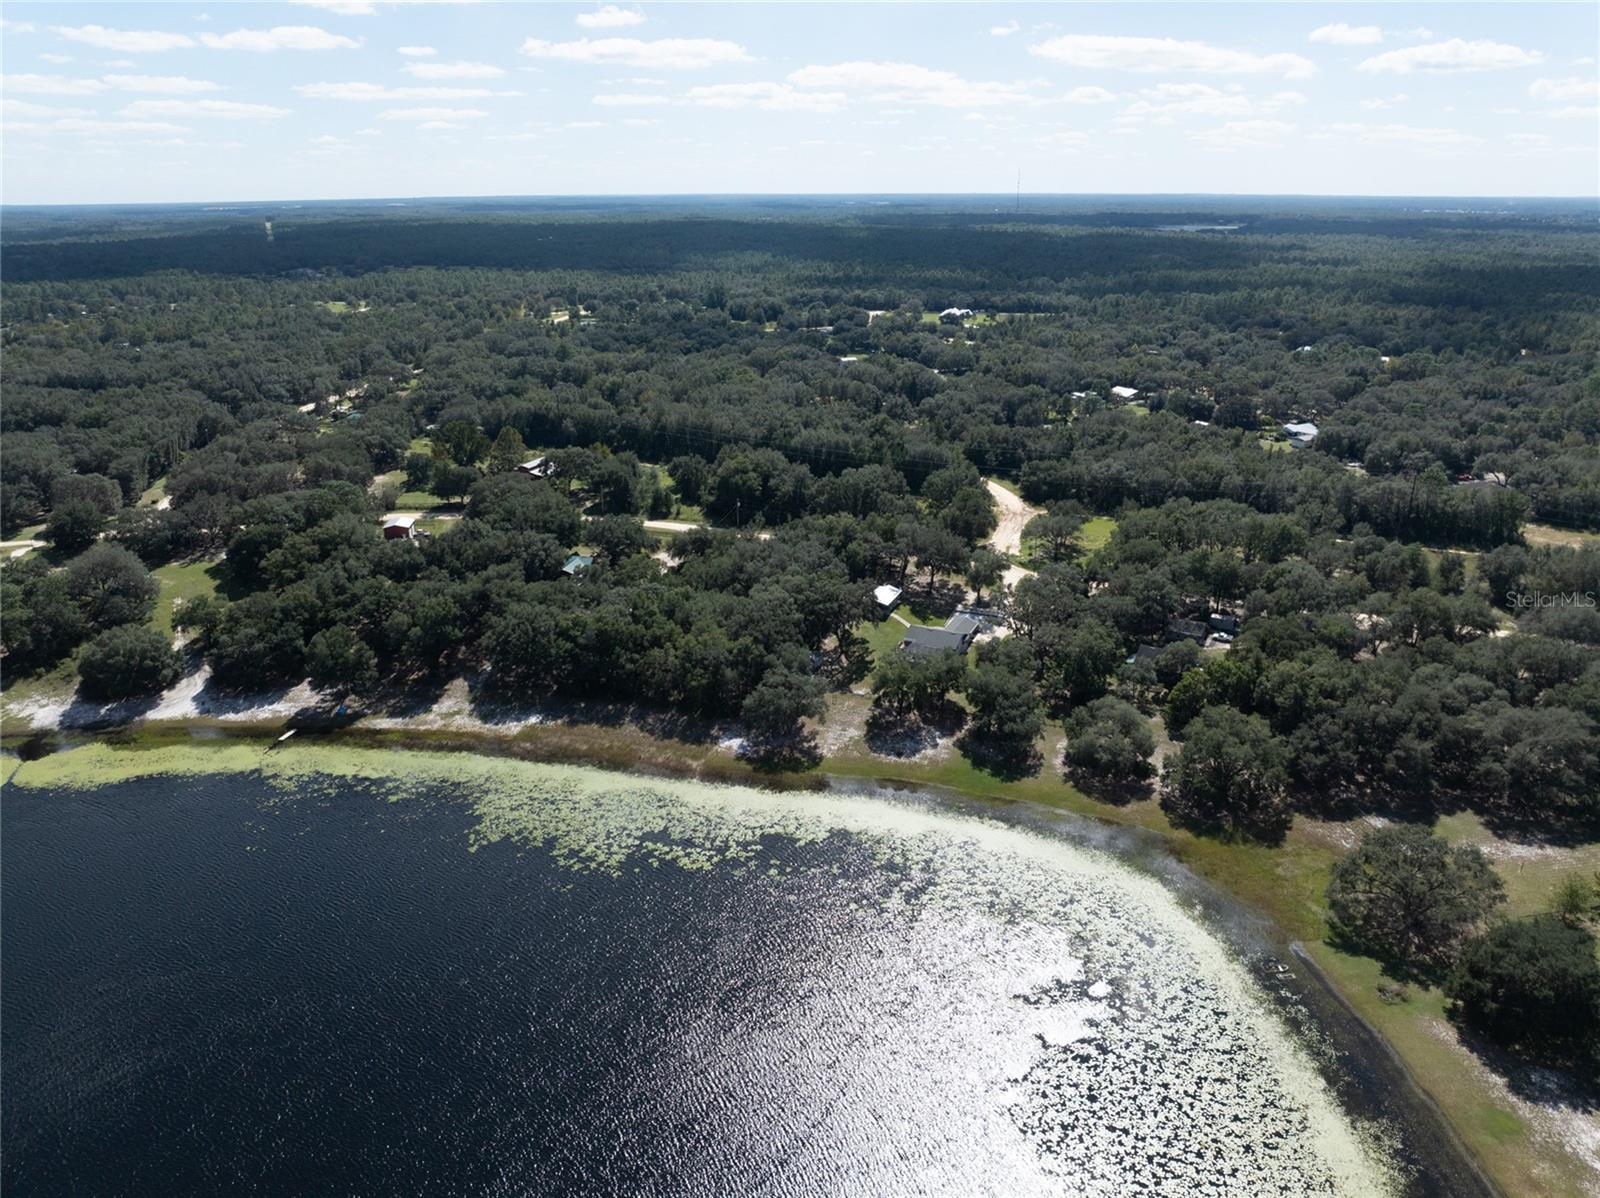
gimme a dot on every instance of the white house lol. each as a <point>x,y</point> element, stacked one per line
<point>540,467</point>
<point>886,596</point>
<point>1301,434</point>
<point>1125,393</point>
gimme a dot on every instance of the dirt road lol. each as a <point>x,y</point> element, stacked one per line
<point>1014,517</point>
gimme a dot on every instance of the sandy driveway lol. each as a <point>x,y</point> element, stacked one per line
<point>1007,538</point>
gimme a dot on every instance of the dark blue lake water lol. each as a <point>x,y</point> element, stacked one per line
<point>210,989</point>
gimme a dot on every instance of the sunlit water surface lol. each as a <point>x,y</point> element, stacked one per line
<point>487,977</point>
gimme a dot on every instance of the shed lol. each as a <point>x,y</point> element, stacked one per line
<point>399,528</point>
<point>1224,621</point>
<point>1125,393</point>
<point>577,564</point>
<point>886,596</point>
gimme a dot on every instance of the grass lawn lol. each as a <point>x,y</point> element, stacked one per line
<point>182,582</point>
<point>154,493</point>
<point>420,445</point>
<point>1546,534</point>
<point>1273,445</point>
<point>1096,531</point>
<point>336,306</point>
<point>883,637</point>
<point>1136,409</point>
<point>419,501</point>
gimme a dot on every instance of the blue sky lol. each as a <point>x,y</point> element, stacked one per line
<point>339,99</point>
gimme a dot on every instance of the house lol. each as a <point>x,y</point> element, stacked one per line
<point>1124,393</point>
<point>399,528</point>
<point>1301,434</point>
<point>1223,621</point>
<point>577,564</point>
<point>1187,630</point>
<point>955,313</point>
<point>886,597</point>
<point>1144,655</point>
<point>955,637</point>
<point>963,626</point>
<point>540,467</point>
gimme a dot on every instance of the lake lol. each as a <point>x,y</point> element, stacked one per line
<point>337,972</point>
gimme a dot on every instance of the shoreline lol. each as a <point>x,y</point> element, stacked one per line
<point>1366,1073</point>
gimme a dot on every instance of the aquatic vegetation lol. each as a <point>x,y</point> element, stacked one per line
<point>1059,1016</point>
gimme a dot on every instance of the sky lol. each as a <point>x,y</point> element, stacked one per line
<point>344,99</point>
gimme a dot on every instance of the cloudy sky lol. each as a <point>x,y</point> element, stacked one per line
<point>353,98</point>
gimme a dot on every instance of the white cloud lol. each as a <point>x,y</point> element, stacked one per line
<point>124,41</point>
<point>1408,135</point>
<point>343,8</point>
<point>773,97</point>
<point>280,37</point>
<point>907,83</point>
<point>1065,139</point>
<point>629,100</point>
<point>167,85</point>
<point>639,122</point>
<point>1245,135</point>
<point>453,70</point>
<point>1166,102</point>
<point>18,26</point>
<point>584,125</point>
<point>1570,88</point>
<point>1150,55</point>
<point>1089,95</point>
<point>1005,30</point>
<point>1451,56</point>
<point>51,85</point>
<point>1340,34</point>
<point>669,53</point>
<point>418,51</point>
<point>369,132</point>
<point>432,114</point>
<point>1575,112</point>
<point>379,91</point>
<point>1379,102</point>
<point>610,17</point>
<point>13,109</point>
<point>229,110</point>
<point>90,126</point>
<point>57,59</point>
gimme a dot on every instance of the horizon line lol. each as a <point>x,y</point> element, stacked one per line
<point>1010,198</point>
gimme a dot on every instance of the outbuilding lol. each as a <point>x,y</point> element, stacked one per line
<point>399,528</point>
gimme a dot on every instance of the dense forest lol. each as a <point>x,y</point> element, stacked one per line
<point>826,400</point>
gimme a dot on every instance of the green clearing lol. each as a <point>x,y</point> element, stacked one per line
<point>1547,534</point>
<point>1096,531</point>
<point>420,445</point>
<point>154,493</point>
<point>179,584</point>
<point>338,306</point>
<point>1276,445</point>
